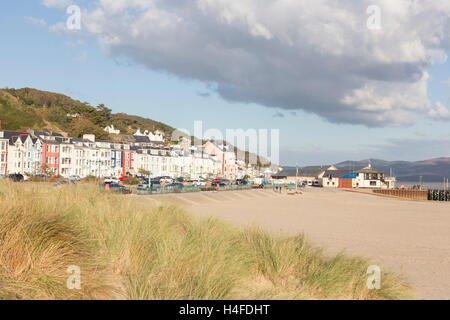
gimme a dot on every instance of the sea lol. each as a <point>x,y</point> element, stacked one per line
<point>426,185</point>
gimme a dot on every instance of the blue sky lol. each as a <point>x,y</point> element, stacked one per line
<point>32,55</point>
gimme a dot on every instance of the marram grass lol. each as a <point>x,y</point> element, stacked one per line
<point>128,251</point>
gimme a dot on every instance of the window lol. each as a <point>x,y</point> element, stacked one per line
<point>373,183</point>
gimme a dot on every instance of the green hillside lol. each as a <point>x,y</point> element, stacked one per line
<point>22,109</point>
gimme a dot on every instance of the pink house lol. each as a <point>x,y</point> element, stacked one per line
<point>226,155</point>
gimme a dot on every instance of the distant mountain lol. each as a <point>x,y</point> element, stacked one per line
<point>27,108</point>
<point>433,170</point>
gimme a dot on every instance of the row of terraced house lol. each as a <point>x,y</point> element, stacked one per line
<point>33,153</point>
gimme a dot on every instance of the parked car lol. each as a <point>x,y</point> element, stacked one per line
<point>226,182</point>
<point>74,178</point>
<point>16,177</point>
<point>166,179</point>
<point>241,182</point>
<point>180,179</point>
<point>218,182</point>
<point>118,187</point>
<point>111,180</point>
<point>155,183</point>
<point>176,186</point>
<point>199,182</point>
<point>144,186</point>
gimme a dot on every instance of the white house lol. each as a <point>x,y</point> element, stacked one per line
<point>110,129</point>
<point>158,136</point>
<point>67,165</point>
<point>24,155</point>
<point>369,177</point>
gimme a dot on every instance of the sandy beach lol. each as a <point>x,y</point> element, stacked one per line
<point>411,238</point>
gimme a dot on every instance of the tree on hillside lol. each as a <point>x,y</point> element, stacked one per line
<point>81,126</point>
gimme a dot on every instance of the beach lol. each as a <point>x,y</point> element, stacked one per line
<point>410,238</point>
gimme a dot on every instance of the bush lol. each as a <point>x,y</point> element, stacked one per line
<point>92,180</point>
<point>131,181</point>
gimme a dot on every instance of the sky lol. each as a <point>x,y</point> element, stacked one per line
<point>339,83</point>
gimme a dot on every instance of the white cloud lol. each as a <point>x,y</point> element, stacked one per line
<point>60,4</point>
<point>36,21</point>
<point>439,112</point>
<point>58,27</point>
<point>316,56</point>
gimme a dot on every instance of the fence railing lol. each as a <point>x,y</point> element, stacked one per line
<point>189,189</point>
<point>432,195</point>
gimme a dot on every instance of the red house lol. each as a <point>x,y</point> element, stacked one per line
<point>51,156</point>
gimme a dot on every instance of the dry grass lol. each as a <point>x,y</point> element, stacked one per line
<point>127,251</point>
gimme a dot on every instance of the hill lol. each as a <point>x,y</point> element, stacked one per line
<point>22,109</point>
<point>27,108</point>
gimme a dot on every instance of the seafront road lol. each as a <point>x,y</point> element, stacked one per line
<point>411,238</point>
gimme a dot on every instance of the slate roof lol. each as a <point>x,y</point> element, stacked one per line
<point>142,139</point>
<point>370,170</point>
<point>336,173</point>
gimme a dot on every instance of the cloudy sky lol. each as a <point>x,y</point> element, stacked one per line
<point>337,81</point>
